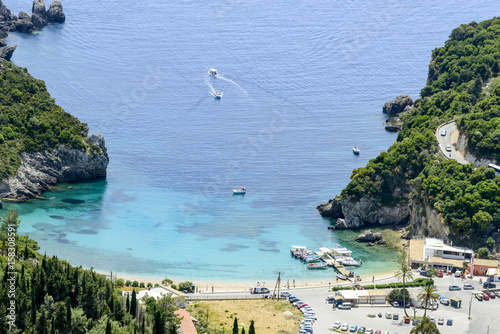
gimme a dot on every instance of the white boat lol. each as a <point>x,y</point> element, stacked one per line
<point>355,150</point>
<point>340,276</point>
<point>350,262</point>
<point>212,71</point>
<point>240,191</point>
<point>317,265</point>
<point>217,94</point>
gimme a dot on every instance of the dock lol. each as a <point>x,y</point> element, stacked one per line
<point>332,263</point>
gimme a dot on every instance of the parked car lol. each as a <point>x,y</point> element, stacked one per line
<point>444,301</point>
<point>344,327</point>
<point>479,297</point>
<point>395,304</point>
<point>441,321</point>
<point>301,306</point>
<point>440,274</point>
<point>449,322</point>
<point>415,322</point>
<point>346,306</point>
<point>468,287</point>
<point>395,316</point>
<point>433,319</point>
<point>378,331</point>
<point>388,315</point>
<point>369,331</point>
<point>492,295</point>
<point>353,329</point>
<point>407,320</point>
<point>285,294</point>
<point>486,297</point>
<point>454,287</point>
<point>361,329</point>
<point>336,325</point>
<point>497,293</point>
<point>489,285</point>
<point>443,133</point>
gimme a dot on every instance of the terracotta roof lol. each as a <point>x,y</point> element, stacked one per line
<point>187,325</point>
<point>449,262</point>
<point>486,263</point>
<point>417,250</point>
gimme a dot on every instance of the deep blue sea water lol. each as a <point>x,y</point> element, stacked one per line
<point>302,83</point>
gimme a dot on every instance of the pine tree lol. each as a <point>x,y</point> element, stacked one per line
<point>133,304</point>
<point>251,330</point>
<point>235,326</point>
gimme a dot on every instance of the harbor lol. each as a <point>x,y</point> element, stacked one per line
<point>337,257</point>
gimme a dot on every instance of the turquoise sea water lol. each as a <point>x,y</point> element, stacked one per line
<point>302,84</point>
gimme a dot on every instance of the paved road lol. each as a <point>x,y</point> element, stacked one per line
<point>447,140</point>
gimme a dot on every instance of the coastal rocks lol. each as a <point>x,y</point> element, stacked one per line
<point>341,224</point>
<point>41,170</point>
<point>55,12</point>
<point>368,236</point>
<point>7,51</point>
<point>393,124</point>
<point>24,26</point>
<point>24,16</point>
<point>332,209</point>
<point>398,105</point>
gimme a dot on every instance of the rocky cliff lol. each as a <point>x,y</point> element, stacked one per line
<point>398,105</point>
<point>424,220</point>
<point>41,170</point>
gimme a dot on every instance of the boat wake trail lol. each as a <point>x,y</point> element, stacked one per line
<point>231,81</point>
<point>212,89</point>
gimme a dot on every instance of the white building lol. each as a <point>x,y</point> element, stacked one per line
<point>437,247</point>
<point>436,253</point>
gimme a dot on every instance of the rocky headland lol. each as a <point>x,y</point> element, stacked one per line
<point>26,23</point>
<point>393,108</point>
<point>41,170</point>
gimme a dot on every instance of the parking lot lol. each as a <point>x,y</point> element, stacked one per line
<point>484,314</point>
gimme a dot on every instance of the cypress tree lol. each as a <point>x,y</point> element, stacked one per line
<point>251,330</point>
<point>235,326</point>
<point>33,306</point>
<point>26,251</point>
<point>133,304</point>
<point>143,327</point>
<point>108,327</point>
<point>68,314</point>
<point>243,330</point>
<point>127,304</point>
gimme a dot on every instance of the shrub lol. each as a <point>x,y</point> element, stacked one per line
<point>141,285</point>
<point>128,283</point>
<point>119,282</point>
<point>135,284</point>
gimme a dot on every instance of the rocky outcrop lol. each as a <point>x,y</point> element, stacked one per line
<point>425,220</point>
<point>366,211</point>
<point>41,170</point>
<point>398,105</point>
<point>24,16</point>
<point>393,124</point>
<point>461,146</point>
<point>368,236</point>
<point>55,12</point>
<point>7,51</point>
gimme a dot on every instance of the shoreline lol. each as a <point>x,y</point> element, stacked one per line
<point>205,286</point>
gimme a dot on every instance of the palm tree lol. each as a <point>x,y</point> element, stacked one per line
<point>404,273</point>
<point>428,295</point>
<point>426,326</point>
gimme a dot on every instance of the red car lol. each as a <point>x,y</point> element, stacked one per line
<point>486,297</point>
<point>492,295</point>
<point>407,320</point>
<point>378,331</point>
<point>440,274</point>
<point>302,305</point>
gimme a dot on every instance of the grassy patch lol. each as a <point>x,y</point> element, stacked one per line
<point>268,315</point>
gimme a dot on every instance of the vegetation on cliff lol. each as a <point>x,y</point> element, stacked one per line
<point>51,296</point>
<point>31,121</point>
<point>462,85</point>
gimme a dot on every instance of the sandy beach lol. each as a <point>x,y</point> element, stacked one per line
<point>205,286</point>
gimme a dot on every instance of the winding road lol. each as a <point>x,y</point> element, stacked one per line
<point>450,138</point>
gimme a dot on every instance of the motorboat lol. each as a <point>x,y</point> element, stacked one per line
<point>355,150</point>
<point>350,262</point>
<point>317,265</point>
<point>217,94</point>
<point>212,71</point>
<point>240,191</point>
<point>341,276</point>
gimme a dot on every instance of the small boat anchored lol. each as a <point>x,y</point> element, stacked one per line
<point>342,277</point>
<point>317,265</point>
<point>355,150</point>
<point>212,71</point>
<point>217,94</point>
<point>240,191</point>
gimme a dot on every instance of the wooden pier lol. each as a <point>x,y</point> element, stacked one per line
<point>332,263</point>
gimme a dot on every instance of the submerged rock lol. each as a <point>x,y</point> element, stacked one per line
<point>368,236</point>
<point>397,105</point>
<point>55,12</point>
<point>393,124</point>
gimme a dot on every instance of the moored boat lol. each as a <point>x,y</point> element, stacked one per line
<point>317,265</point>
<point>355,150</point>
<point>350,262</point>
<point>340,276</point>
<point>240,191</point>
<point>312,258</point>
<point>212,71</point>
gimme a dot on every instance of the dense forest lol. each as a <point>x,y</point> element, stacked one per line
<point>30,120</point>
<point>40,294</point>
<point>462,85</point>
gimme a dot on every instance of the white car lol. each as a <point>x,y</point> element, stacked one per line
<point>369,331</point>
<point>443,133</point>
<point>448,148</point>
<point>344,327</point>
<point>336,325</point>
